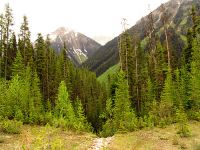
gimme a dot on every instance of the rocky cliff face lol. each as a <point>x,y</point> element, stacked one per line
<point>80,47</point>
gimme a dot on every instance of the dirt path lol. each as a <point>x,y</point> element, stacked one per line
<point>100,143</point>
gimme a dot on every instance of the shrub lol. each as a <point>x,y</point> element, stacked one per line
<point>1,140</point>
<point>175,140</point>
<point>109,129</point>
<point>162,123</point>
<point>11,126</point>
<point>183,129</point>
<point>149,120</point>
<point>183,146</point>
<point>196,146</point>
<point>141,124</point>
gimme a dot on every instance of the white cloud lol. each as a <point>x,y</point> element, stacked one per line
<point>91,17</point>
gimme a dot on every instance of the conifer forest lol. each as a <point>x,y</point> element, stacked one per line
<point>153,85</point>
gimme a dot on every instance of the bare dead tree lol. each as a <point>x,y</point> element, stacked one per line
<point>166,26</point>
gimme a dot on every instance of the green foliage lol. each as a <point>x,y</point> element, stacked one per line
<point>109,128</point>
<point>3,101</point>
<point>123,115</point>
<point>24,44</point>
<point>120,116</point>
<point>48,138</point>
<point>196,146</point>
<point>167,98</point>
<point>148,104</point>
<point>195,76</point>
<point>19,115</point>
<point>64,107</point>
<point>37,109</point>
<point>11,126</point>
<point>162,123</point>
<point>110,71</point>
<point>181,117</point>
<point>145,94</point>
<point>81,121</point>
<point>149,120</point>
<point>18,66</point>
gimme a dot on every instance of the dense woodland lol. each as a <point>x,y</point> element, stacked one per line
<point>154,87</point>
<point>39,86</point>
<point>151,88</point>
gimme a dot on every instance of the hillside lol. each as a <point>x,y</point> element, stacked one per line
<point>112,70</point>
<point>178,20</point>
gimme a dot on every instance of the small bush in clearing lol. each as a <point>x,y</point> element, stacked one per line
<point>11,126</point>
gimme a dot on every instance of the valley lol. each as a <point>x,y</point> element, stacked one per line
<point>141,90</point>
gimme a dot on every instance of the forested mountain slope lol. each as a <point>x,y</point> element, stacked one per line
<point>178,20</point>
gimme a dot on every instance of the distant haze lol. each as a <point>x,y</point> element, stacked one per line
<point>98,19</point>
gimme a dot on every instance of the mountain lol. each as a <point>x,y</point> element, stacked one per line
<point>80,47</point>
<point>178,19</point>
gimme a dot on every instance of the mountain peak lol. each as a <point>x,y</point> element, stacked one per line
<point>62,31</point>
<point>80,47</point>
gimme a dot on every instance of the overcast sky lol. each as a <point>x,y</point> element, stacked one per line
<point>94,18</point>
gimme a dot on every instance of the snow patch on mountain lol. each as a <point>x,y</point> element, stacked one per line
<point>85,50</point>
<point>79,52</point>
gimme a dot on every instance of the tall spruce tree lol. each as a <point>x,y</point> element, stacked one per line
<point>12,51</point>
<point>195,76</point>
<point>2,32</point>
<point>18,65</point>
<point>40,61</point>
<point>167,98</point>
<point>8,23</point>
<point>81,120</point>
<point>24,43</point>
<point>37,98</point>
<point>63,106</point>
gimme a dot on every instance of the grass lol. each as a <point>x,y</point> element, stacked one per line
<point>46,137</point>
<point>38,137</point>
<point>157,139</point>
<point>110,71</point>
<point>184,21</point>
<point>184,38</point>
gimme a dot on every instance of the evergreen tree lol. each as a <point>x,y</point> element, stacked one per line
<point>81,121</point>
<point>123,116</point>
<point>36,98</point>
<point>18,66</point>
<point>40,61</point>
<point>167,98</point>
<point>195,76</point>
<point>63,108</point>
<point>181,118</point>
<point>25,45</point>
<point>3,100</point>
<point>26,98</point>
<point>150,97</point>
<point>187,52</point>
<point>8,23</point>
<point>2,32</point>
<point>12,51</point>
<point>14,98</point>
